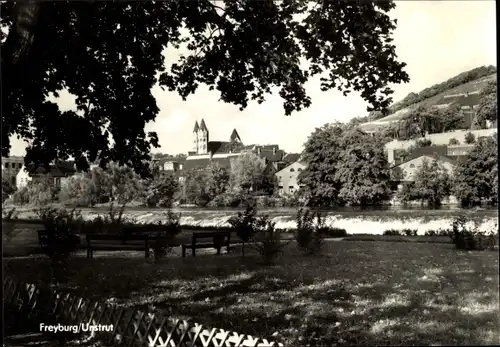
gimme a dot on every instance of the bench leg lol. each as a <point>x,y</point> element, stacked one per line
<point>228,248</point>
<point>183,251</point>
<point>194,252</point>
<point>218,250</point>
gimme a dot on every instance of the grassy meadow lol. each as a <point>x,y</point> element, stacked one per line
<point>353,293</point>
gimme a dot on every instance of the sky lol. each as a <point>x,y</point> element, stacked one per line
<point>436,39</point>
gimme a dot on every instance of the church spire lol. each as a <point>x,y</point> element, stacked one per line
<point>196,127</point>
<point>203,126</point>
<point>235,137</point>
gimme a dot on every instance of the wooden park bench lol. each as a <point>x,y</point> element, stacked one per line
<point>93,243</point>
<point>219,239</point>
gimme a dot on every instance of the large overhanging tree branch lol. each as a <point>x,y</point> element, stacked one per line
<point>109,55</point>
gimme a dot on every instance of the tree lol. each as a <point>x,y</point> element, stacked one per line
<point>453,141</point>
<point>195,188</point>
<point>126,185</point>
<point>431,185</point>
<point>247,171</point>
<point>110,55</point>
<point>487,108</point>
<point>100,186</point>
<point>423,143</point>
<point>217,180</point>
<point>7,188</point>
<point>161,190</point>
<point>475,177</point>
<point>362,170</point>
<point>344,165</point>
<point>452,118</point>
<point>321,153</point>
<point>77,191</point>
<point>470,138</point>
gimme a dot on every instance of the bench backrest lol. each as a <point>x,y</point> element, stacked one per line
<point>225,235</point>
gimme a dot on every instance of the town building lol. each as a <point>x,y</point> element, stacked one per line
<point>58,174</point>
<point>288,178</point>
<point>441,139</point>
<point>11,166</point>
<point>405,172</point>
<point>205,151</point>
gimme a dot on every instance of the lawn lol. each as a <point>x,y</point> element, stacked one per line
<point>356,293</point>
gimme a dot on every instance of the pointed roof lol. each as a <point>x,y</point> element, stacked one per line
<point>234,135</point>
<point>203,125</point>
<point>196,127</point>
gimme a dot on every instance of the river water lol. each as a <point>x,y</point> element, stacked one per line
<point>353,220</point>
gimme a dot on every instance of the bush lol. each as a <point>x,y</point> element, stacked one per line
<point>439,232</point>
<point>267,240</point>
<point>62,239</point>
<point>309,234</point>
<point>470,138</point>
<point>110,223</point>
<point>454,141</point>
<point>244,224</point>
<point>21,197</point>
<point>332,232</point>
<point>392,232</point>
<point>164,238</point>
<point>423,143</point>
<point>465,238</point>
<point>227,199</point>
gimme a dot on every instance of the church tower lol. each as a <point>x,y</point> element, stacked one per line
<point>195,137</point>
<point>203,138</point>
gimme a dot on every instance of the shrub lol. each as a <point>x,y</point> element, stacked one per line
<point>244,224</point>
<point>423,143</point>
<point>110,223</point>
<point>465,238</point>
<point>309,234</point>
<point>227,199</point>
<point>470,138</point>
<point>8,228</point>
<point>62,239</point>
<point>439,232</point>
<point>453,141</point>
<point>392,232</point>
<point>164,238</point>
<point>410,232</point>
<point>332,232</point>
<point>267,240</point>
<point>21,197</point>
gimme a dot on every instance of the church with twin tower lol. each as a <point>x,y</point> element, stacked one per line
<point>205,151</point>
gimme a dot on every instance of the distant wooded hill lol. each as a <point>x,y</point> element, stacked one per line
<point>467,82</point>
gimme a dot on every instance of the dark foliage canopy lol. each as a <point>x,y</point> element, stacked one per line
<point>109,55</point>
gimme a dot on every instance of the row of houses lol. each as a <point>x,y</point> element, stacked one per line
<point>286,167</point>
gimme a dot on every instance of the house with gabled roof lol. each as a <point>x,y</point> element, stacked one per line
<point>58,173</point>
<point>405,172</point>
<point>288,178</point>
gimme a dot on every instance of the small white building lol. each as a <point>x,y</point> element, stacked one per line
<point>58,173</point>
<point>409,168</point>
<point>288,178</point>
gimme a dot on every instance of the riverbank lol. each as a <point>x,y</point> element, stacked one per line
<point>373,222</point>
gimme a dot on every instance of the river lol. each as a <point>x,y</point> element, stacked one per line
<point>353,220</point>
